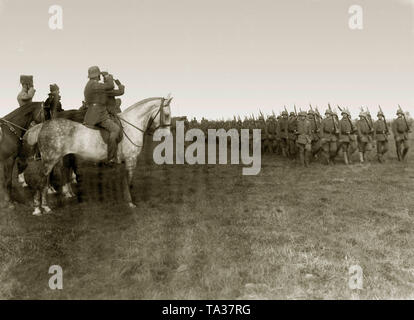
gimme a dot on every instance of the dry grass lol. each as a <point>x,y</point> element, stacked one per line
<point>207,232</point>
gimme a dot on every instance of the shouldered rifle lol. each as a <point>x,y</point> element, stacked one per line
<point>349,120</point>
<point>366,120</point>
<point>314,118</point>
<point>333,119</point>
<point>405,119</point>
<point>385,122</point>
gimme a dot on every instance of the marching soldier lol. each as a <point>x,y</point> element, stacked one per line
<point>262,126</point>
<point>381,133</point>
<point>26,95</point>
<point>345,130</point>
<point>52,104</point>
<point>97,113</point>
<point>315,132</point>
<point>329,140</point>
<point>401,129</point>
<point>303,138</point>
<point>284,134</point>
<point>363,131</point>
<point>292,129</point>
<point>272,134</point>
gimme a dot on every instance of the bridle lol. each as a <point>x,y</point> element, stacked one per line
<point>11,125</point>
<point>162,124</point>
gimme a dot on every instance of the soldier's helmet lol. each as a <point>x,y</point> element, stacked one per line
<point>292,114</point>
<point>399,111</point>
<point>380,114</point>
<point>284,113</point>
<point>24,79</point>
<point>93,72</point>
<point>362,114</point>
<point>328,112</point>
<point>310,112</point>
<point>302,114</point>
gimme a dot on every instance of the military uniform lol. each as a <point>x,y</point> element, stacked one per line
<point>292,129</point>
<point>401,130</point>
<point>26,95</point>
<point>381,133</point>
<point>284,134</point>
<point>52,104</point>
<point>304,140</point>
<point>261,124</point>
<point>271,128</point>
<point>97,114</point>
<point>329,130</point>
<point>345,130</point>
<point>364,131</point>
<point>315,132</point>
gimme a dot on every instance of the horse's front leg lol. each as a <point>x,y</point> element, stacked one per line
<point>36,204</point>
<point>4,192</point>
<point>127,182</point>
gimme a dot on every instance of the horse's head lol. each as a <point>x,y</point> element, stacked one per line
<point>161,116</point>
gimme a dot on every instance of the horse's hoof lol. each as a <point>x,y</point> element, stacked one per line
<point>46,209</point>
<point>37,212</point>
<point>131,205</point>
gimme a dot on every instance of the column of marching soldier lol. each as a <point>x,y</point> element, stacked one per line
<point>307,136</point>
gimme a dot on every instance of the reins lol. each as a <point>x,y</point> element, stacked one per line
<point>160,110</point>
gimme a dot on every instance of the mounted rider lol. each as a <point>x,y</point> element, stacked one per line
<point>96,99</point>
<point>26,95</point>
<point>52,104</point>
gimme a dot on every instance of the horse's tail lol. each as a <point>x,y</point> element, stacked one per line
<point>31,136</point>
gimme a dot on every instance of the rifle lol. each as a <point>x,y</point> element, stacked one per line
<point>405,119</point>
<point>314,118</point>
<point>349,120</point>
<point>317,111</point>
<point>366,120</point>
<point>333,119</point>
<point>385,122</point>
<point>286,109</point>
<point>370,118</point>
<point>295,110</point>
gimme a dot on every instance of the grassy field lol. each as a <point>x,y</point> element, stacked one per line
<point>207,232</point>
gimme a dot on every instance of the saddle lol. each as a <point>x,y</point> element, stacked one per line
<point>105,133</point>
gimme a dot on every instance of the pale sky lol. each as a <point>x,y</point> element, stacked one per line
<point>218,58</point>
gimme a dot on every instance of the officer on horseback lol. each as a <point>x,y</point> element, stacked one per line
<point>52,104</point>
<point>26,95</point>
<point>96,99</point>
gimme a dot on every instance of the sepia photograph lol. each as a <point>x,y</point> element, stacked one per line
<point>194,150</point>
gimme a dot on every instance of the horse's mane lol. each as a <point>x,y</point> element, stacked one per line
<point>22,111</point>
<point>140,103</point>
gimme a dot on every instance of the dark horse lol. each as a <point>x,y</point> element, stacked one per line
<point>12,128</point>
